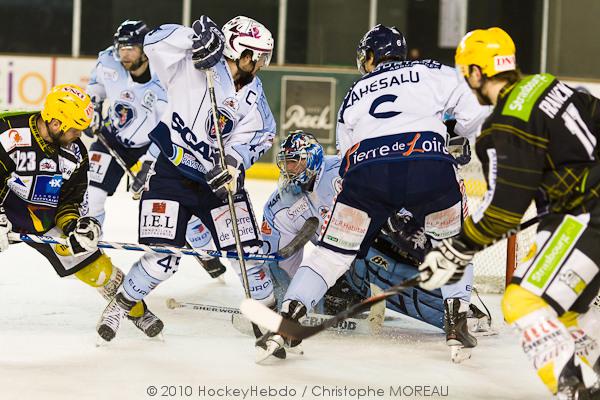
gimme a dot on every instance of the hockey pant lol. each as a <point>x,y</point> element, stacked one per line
<point>165,209</point>
<point>548,299</point>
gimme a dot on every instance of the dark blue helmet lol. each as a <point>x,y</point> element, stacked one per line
<point>130,33</point>
<point>384,42</point>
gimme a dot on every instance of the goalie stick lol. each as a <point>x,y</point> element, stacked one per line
<point>240,323</point>
<point>267,318</point>
<point>306,232</point>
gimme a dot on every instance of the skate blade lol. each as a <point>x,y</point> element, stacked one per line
<point>273,349</point>
<point>100,342</point>
<point>298,350</point>
<point>458,353</point>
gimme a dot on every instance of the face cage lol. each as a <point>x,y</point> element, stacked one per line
<point>286,176</point>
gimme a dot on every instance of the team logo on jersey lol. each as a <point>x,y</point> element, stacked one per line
<point>323,211</point>
<point>124,114</point>
<point>232,103</point>
<point>47,165</point>
<point>382,262</point>
<point>127,95</point>
<point>149,99</point>
<point>20,185</point>
<point>265,228</point>
<point>337,184</point>
<point>225,123</point>
<point>46,189</point>
<point>12,138</point>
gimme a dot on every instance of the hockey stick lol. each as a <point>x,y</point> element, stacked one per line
<point>241,324</point>
<point>214,273</point>
<point>223,165</point>
<point>121,162</point>
<point>264,316</point>
<point>298,242</point>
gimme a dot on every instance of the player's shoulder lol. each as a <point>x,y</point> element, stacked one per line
<point>282,198</point>
<point>519,102</point>
<point>107,56</point>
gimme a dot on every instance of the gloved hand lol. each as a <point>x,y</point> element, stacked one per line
<point>96,121</point>
<point>223,180</point>
<point>83,235</point>
<point>445,264</point>
<point>460,149</point>
<point>208,43</point>
<point>142,176</point>
<point>5,228</point>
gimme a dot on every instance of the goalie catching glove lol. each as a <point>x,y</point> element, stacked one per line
<point>83,235</point>
<point>445,264</point>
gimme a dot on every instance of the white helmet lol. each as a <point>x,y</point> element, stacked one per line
<point>243,33</point>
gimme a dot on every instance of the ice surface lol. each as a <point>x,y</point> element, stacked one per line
<point>47,342</point>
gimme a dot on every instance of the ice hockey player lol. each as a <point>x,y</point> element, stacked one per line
<point>308,185</point>
<point>188,179</point>
<point>43,180</point>
<point>539,143</point>
<point>123,79</point>
<point>391,136</point>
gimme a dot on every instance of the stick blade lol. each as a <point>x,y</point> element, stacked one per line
<point>302,237</point>
<point>261,315</point>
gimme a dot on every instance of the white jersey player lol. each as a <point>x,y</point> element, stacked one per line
<point>136,100</point>
<point>391,135</point>
<point>188,179</point>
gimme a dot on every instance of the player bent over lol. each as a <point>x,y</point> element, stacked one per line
<point>43,180</point>
<point>308,185</point>
<point>540,142</point>
<point>392,138</point>
<point>188,179</point>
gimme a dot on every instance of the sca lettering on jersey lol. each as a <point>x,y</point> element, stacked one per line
<point>46,189</point>
<point>188,137</point>
<point>397,147</point>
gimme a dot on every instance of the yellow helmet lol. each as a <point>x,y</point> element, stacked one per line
<point>491,49</point>
<point>69,104</point>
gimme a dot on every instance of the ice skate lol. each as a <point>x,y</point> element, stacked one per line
<point>458,337</point>
<point>111,317</point>
<point>148,323</point>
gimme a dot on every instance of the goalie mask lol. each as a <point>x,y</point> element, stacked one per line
<point>299,160</point>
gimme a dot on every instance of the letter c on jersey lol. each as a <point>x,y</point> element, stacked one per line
<point>386,98</point>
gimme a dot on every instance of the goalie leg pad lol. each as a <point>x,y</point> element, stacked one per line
<point>148,272</point>
<point>97,273</point>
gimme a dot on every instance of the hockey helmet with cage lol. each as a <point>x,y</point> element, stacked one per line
<point>491,49</point>
<point>384,42</point>
<point>243,33</point>
<point>69,104</point>
<point>130,33</point>
<point>299,159</point>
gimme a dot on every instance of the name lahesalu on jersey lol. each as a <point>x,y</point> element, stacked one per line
<point>396,112</point>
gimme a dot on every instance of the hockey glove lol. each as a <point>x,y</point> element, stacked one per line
<point>208,43</point>
<point>225,180</point>
<point>142,176</point>
<point>460,149</point>
<point>445,264</point>
<point>5,228</point>
<point>96,121</point>
<point>83,235</point>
